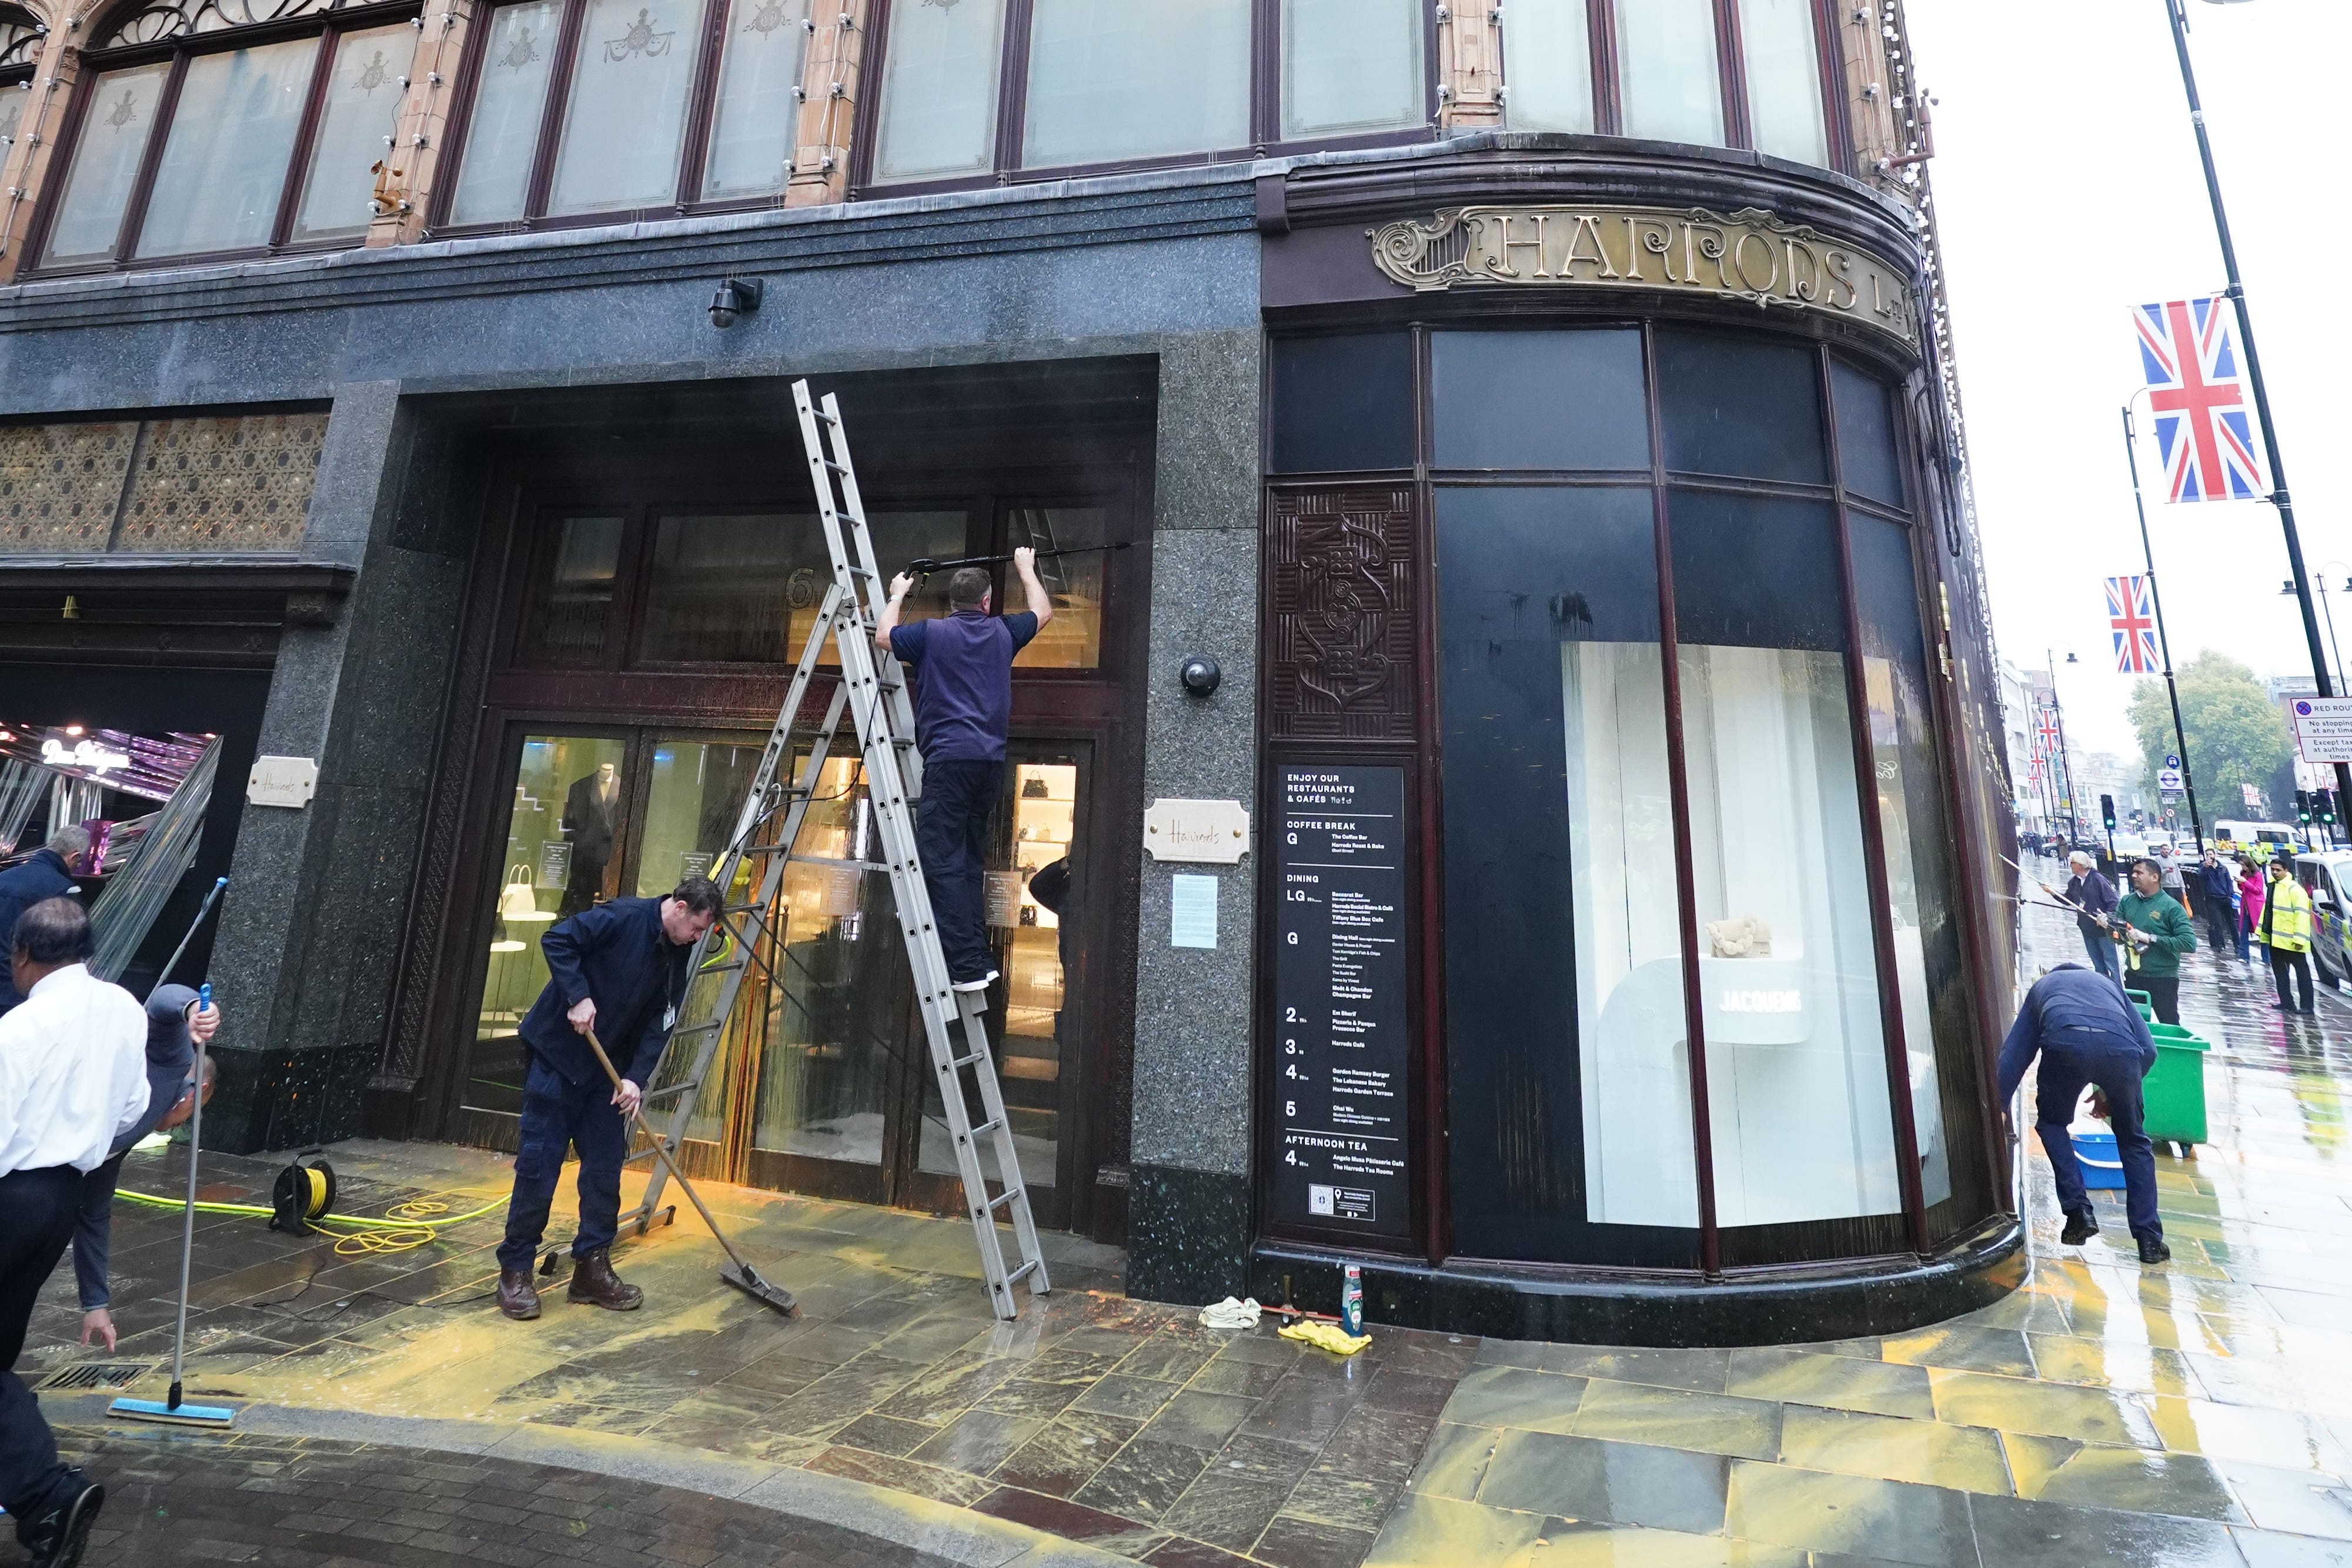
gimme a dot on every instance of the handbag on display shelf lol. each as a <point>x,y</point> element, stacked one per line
<point>516,900</point>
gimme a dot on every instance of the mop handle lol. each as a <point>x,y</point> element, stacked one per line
<point>606,1064</point>
<point>194,926</point>
<point>188,1224</point>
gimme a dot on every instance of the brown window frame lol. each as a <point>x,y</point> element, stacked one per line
<point>701,103</point>
<point>1013,104</point>
<point>327,26</point>
<point>1731,60</point>
<point>988,528</point>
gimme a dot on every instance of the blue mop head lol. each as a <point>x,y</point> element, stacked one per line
<point>181,1414</point>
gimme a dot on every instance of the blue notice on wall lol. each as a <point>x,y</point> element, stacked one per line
<point>1193,912</point>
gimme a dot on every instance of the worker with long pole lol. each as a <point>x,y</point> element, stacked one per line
<point>2163,641</point>
<point>2280,497</point>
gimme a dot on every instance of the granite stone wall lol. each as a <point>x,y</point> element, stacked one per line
<point>401,344</point>
<point>1189,1202</point>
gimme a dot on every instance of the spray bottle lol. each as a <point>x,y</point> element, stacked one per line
<point>1352,1299</point>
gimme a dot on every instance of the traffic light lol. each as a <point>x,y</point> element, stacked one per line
<point>2107,812</point>
<point>2303,807</point>
<point>2324,799</point>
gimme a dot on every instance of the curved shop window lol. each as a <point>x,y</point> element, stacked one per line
<point>599,110</point>
<point>986,88</point>
<point>1747,74</point>
<point>196,132</point>
<point>1704,999</point>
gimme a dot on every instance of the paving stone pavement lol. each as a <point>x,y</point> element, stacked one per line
<point>188,1496</point>
<point>1120,1425</point>
<point>2194,1414</point>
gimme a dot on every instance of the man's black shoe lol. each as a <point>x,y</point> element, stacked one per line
<point>2155,1252</point>
<point>2080,1228</point>
<point>57,1538</point>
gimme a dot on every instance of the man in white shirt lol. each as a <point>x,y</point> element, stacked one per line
<point>73,1074</point>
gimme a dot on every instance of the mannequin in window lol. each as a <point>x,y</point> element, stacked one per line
<point>591,808</point>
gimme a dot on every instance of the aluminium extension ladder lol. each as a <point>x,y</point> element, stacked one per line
<point>872,690</point>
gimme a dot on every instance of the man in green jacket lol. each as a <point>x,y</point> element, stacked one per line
<point>2159,931</point>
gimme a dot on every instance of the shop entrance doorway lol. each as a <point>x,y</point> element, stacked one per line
<point>821,1084</point>
<point>646,579</point>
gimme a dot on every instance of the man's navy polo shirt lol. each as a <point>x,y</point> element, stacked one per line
<point>963,689</point>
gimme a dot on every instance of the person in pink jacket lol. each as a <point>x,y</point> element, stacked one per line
<point>2249,905</point>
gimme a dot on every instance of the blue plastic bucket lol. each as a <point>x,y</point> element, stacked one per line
<point>2102,1167</point>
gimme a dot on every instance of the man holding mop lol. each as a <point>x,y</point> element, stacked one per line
<point>73,1076</point>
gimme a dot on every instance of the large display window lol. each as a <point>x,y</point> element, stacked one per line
<point>1704,1005</point>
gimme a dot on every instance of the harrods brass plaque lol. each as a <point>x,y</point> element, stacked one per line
<point>1750,256</point>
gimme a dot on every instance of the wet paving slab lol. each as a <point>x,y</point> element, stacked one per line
<point>184,1497</point>
<point>2193,1413</point>
<point>1125,1427</point>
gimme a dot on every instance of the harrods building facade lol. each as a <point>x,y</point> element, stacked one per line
<point>1543,419</point>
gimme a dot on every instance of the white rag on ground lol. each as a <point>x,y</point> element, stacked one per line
<point>1230,1314</point>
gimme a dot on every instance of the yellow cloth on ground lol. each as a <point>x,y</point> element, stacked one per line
<point>1327,1336</point>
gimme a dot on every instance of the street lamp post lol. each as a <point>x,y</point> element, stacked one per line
<point>2163,637</point>
<point>2065,763</point>
<point>2178,14</point>
<point>2286,591</point>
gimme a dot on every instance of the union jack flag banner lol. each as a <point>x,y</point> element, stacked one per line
<point>2131,615</point>
<point>2203,426</point>
<point>2045,731</point>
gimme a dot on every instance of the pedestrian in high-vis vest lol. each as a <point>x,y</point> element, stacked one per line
<point>2286,931</point>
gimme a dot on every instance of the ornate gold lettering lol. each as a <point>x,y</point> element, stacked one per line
<point>1658,240</point>
<point>1841,277</point>
<point>1740,262</point>
<point>1503,267</point>
<point>1712,246</point>
<point>1587,224</point>
<point>1748,255</point>
<point>1805,290</point>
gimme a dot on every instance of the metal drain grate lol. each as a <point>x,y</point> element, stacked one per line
<point>98,1375</point>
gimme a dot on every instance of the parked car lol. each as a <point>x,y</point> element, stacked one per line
<point>2328,876</point>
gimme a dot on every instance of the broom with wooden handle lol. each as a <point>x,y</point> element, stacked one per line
<point>737,1272</point>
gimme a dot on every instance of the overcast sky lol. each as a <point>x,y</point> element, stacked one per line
<point>2069,192</point>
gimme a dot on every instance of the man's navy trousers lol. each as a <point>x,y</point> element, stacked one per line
<point>40,1205</point>
<point>558,1114</point>
<point>2086,1031</point>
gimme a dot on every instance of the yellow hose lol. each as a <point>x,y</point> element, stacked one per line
<point>408,1224</point>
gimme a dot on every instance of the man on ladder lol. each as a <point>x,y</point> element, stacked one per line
<point>963,706</point>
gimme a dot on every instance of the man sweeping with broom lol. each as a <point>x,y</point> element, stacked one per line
<point>73,1077</point>
<point>619,969</point>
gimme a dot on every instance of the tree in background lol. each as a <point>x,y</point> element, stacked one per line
<point>2237,736</point>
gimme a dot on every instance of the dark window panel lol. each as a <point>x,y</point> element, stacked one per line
<point>1741,406</point>
<point>1938,1012</point>
<point>1540,400</point>
<point>1533,583</point>
<point>1865,430</point>
<point>1343,403</point>
<point>572,604</point>
<point>1754,571</point>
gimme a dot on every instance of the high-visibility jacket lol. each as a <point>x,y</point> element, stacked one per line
<point>2286,918</point>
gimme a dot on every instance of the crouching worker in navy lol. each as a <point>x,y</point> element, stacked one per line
<point>2086,1031</point>
<point>619,968</point>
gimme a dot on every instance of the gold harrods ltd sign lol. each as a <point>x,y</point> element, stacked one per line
<point>1749,255</point>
